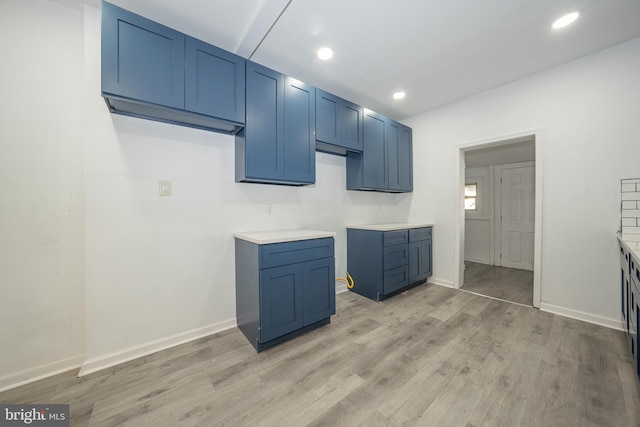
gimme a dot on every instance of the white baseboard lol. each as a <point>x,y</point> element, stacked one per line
<point>40,372</point>
<point>341,288</point>
<point>440,282</point>
<point>580,315</point>
<point>109,360</point>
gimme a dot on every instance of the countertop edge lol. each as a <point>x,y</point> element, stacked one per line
<point>634,253</point>
<point>387,227</point>
<point>282,236</point>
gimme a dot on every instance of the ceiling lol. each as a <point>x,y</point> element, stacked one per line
<point>437,51</point>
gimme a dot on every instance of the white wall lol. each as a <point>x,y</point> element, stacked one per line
<point>161,269</point>
<point>41,209</point>
<point>585,117</point>
<point>478,223</point>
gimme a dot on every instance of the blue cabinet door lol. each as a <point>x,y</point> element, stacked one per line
<point>214,84</point>
<point>426,260</point>
<point>280,301</point>
<point>319,290</point>
<point>299,132</point>
<point>328,118</point>
<point>374,155</point>
<point>400,156</point>
<point>263,138</point>
<point>352,126</point>
<point>141,59</point>
<point>415,261</point>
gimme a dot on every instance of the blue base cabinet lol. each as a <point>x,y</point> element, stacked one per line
<point>154,72</point>
<point>277,146</point>
<point>630,302</point>
<point>386,162</point>
<point>385,262</point>
<point>283,289</point>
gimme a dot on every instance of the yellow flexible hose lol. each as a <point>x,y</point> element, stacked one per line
<point>348,281</point>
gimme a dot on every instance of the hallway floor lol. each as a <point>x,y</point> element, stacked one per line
<point>508,284</point>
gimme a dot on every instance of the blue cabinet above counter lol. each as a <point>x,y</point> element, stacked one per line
<point>154,72</point>
<point>277,145</point>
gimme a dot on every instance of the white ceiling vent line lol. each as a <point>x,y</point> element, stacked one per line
<point>259,26</point>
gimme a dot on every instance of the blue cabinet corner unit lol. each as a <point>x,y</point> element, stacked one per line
<point>385,259</point>
<point>277,144</point>
<point>386,161</point>
<point>153,72</point>
<point>284,286</point>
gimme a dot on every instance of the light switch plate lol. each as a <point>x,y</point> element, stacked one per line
<point>165,188</point>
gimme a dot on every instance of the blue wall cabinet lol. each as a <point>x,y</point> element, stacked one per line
<point>339,124</point>
<point>146,68</point>
<point>283,289</point>
<point>299,132</point>
<point>386,163</point>
<point>214,84</point>
<point>399,149</point>
<point>278,143</point>
<point>383,263</point>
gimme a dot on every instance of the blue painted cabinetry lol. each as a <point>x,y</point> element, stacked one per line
<point>630,302</point>
<point>283,289</point>
<point>384,262</point>
<point>339,124</point>
<point>278,143</point>
<point>154,72</point>
<point>386,163</point>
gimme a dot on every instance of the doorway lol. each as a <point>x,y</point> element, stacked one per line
<point>499,222</point>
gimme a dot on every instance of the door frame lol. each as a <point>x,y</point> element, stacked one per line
<point>497,194</point>
<point>459,221</point>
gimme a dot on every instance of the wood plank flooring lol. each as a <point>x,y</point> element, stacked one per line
<point>509,284</point>
<point>432,356</point>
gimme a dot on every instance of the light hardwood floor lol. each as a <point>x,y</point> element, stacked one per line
<point>432,356</point>
<point>509,284</point>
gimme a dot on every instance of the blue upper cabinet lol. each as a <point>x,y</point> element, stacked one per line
<point>278,143</point>
<point>386,161</point>
<point>299,132</point>
<point>399,148</point>
<point>157,76</point>
<point>214,84</point>
<point>339,124</point>
<point>146,68</point>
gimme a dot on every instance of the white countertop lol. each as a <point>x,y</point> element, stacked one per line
<point>388,227</point>
<point>278,236</point>
<point>630,246</point>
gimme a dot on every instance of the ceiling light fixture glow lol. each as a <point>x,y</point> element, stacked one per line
<point>399,95</point>
<point>565,20</point>
<point>325,53</point>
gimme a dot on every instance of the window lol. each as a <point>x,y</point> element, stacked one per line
<point>470,196</point>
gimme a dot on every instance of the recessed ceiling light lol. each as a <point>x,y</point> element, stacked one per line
<point>565,20</point>
<point>399,95</point>
<point>325,53</point>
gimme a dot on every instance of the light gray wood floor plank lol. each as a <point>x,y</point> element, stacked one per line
<point>509,284</point>
<point>428,356</point>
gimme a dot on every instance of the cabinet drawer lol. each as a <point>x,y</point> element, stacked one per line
<point>276,254</point>
<point>395,256</point>
<point>395,279</point>
<point>417,234</point>
<point>396,237</point>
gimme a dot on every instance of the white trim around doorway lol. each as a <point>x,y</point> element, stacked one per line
<point>460,213</point>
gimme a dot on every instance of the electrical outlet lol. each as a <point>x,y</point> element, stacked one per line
<point>165,188</point>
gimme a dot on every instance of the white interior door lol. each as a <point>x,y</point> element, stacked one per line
<point>518,217</point>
